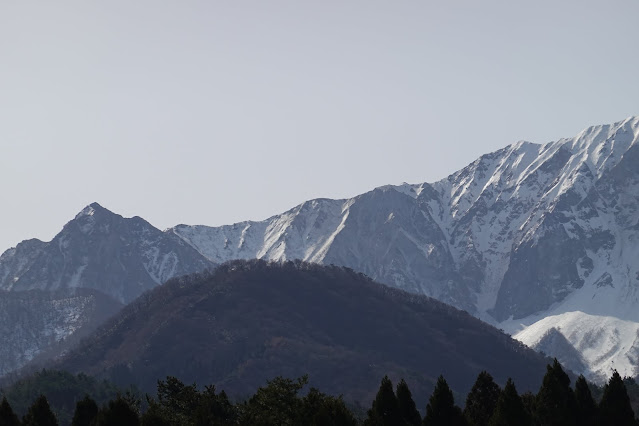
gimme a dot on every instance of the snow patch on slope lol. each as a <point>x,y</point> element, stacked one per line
<point>604,342</point>
<point>304,232</point>
<point>478,217</point>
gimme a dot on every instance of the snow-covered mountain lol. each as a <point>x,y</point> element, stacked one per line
<point>51,294</point>
<point>520,234</point>
<point>98,249</point>
<point>541,240</point>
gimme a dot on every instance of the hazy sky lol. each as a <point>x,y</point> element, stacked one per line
<point>213,112</point>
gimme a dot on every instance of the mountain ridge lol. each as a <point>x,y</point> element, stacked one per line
<point>520,234</point>
<point>138,257</point>
<point>462,196</point>
<point>517,233</point>
<point>113,258</point>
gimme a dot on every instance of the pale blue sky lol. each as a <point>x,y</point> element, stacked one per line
<point>207,112</point>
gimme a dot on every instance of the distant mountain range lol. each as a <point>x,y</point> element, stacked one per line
<point>250,321</point>
<point>540,240</point>
<point>522,234</point>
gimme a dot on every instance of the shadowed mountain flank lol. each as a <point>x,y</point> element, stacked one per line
<point>249,321</point>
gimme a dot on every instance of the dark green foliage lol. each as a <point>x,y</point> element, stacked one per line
<point>441,409</point>
<point>85,412</point>
<point>154,416</point>
<point>117,412</point>
<point>556,404</point>
<point>385,409</point>
<point>40,414</point>
<point>7,416</point>
<point>586,405</point>
<point>176,400</point>
<point>62,390</point>
<point>633,392</point>
<point>275,403</point>
<point>407,407</point>
<point>481,400</point>
<point>214,409</point>
<point>530,404</point>
<point>614,408</point>
<point>180,404</point>
<point>323,410</point>
<point>510,409</point>
<point>280,403</point>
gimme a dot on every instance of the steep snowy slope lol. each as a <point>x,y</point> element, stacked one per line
<point>519,233</point>
<point>585,342</point>
<point>384,234</point>
<point>600,319</point>
<point>100,250</point>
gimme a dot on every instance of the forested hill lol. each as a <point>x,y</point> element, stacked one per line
<point>249,321</point>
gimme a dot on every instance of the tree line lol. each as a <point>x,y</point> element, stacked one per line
<point>282,401</point>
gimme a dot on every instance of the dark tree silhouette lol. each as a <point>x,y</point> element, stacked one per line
<point>556,404</point>
<point>385,409</point>
<point>614,408</point>
<point>117,412</point>
<point>407,408</point>
<point>40,414</point>
<point>85,412</point>
<point>7,416</point>
<point>276,403</point>
<point>441,409</point>
<point>586,405</point>
<point>323,410</point>
<point>214,409</point>
<point>510,409</point>
<point>481,400</point>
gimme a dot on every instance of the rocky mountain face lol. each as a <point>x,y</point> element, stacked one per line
<point>522,233</point>
<point>34,322</point>
<point>53,293</point>
<point>520,236</point>
<point>100,250</point>
<point>249,321</point>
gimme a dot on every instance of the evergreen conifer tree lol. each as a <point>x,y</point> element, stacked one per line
<point>177,400</point>
<point>214,409</point>
<point>407,409</point>
<point>117,412</point>
<point>155,416</point>
<point>614,408</point>
<point>509,409</point>
<point>85,412</point>
<point>320,409</point>
<point>441,409</point>
<point>276,403</point>
<point>481,400</point>
<point>556,404</point>
<point>40,414</point>
<point>530,403</point>
<point>7,416</point>
<point>385,409</point>
<point>586,405</point>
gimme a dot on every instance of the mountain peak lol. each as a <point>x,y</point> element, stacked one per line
<point>92,217</point>
<point>91,210</point>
